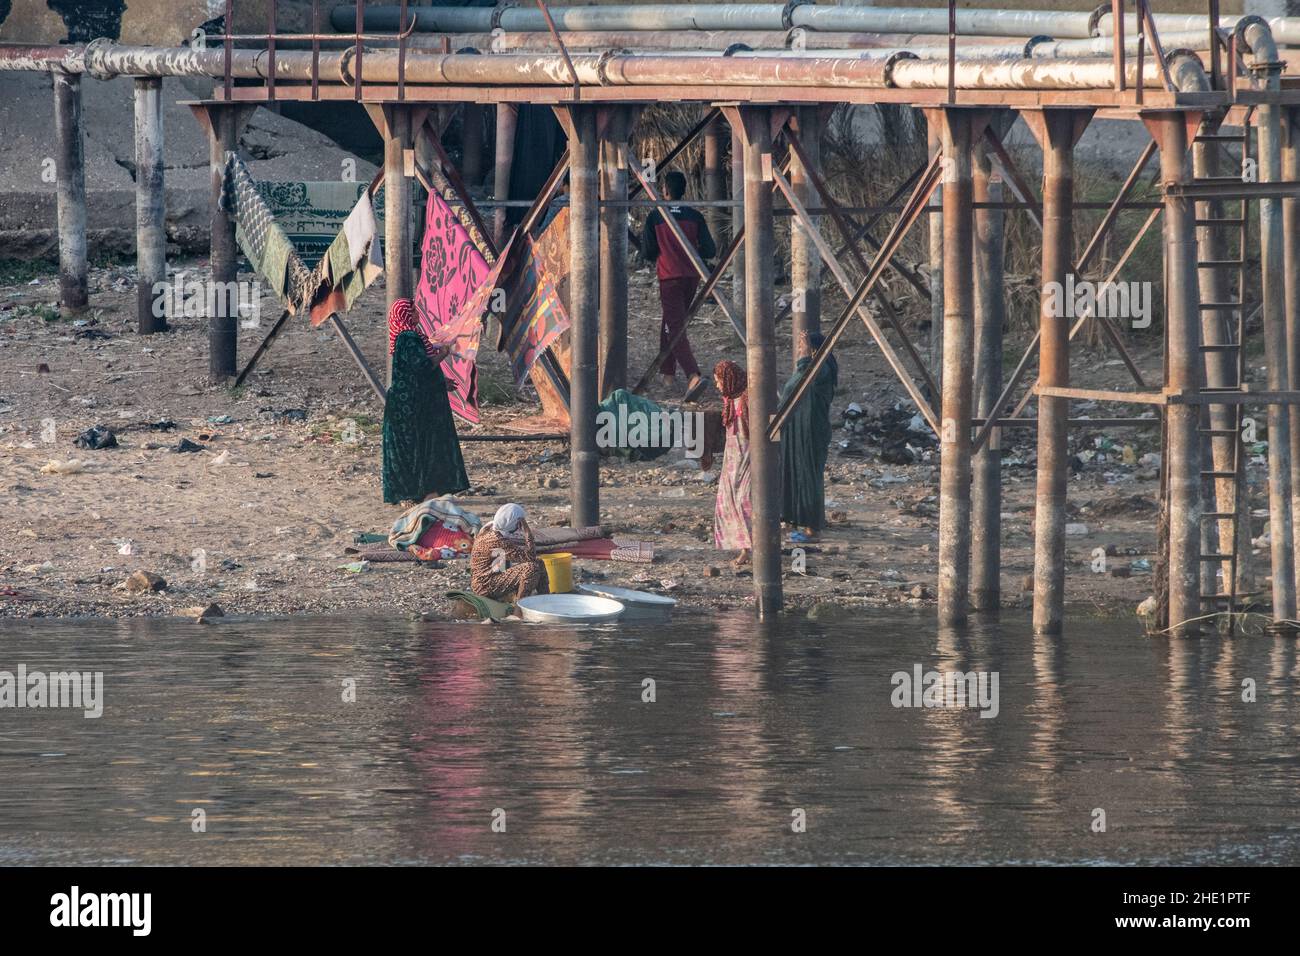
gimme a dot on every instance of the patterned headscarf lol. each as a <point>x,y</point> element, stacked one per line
<point>401,318</point>
<point>732,383</point>
<point>508,520</point>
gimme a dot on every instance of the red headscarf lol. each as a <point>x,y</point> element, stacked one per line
<point>732,383</point>
<point>401,318</point>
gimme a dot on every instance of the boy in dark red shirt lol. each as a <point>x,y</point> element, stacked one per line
<point>677,277</point>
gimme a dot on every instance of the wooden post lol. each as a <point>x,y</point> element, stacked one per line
<point>584,314</point>
<point>760,359</point>
<point>150,205</point>
<point>70,169</point>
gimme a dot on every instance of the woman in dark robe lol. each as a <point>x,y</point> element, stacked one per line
<point>805,443</point>
<point>422,456</point>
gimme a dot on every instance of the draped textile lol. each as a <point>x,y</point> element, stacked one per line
<point>264,242</point>
<point>456,288</point>
<point>805,445</point>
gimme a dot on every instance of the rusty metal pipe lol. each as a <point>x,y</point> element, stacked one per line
<point>102,58</point>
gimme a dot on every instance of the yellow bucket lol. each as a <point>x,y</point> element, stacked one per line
<point>559,571</point>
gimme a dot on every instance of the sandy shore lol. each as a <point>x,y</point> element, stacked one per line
<point>260,519</point>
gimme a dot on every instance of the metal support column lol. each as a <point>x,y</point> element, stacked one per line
<point>760,358</point>
<point>150,205</point>
<point>223,322</point>
<point>955,134</point>
<point>1057,131</point>
<point>990,316</point>
<point>613,252</point>
<point>805,262</point>
<point>399,269</point>
<point>1182,305</point>
<point>70,169</point>
<point>584,314</point>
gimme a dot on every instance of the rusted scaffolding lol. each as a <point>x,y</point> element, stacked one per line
<point>973,73</point>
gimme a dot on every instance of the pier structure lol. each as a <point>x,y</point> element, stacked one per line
<point>1212,91</point>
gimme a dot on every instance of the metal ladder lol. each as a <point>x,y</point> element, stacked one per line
<point>1234,319</point>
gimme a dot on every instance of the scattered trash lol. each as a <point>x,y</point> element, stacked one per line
<point>123,547</point>
<point>1141,565</point>
<point>220,420</point>
<point>222,459</point>
<point>292,415</point>
<point>185,445</point>
<point>96,438</point>
<point>1076,528</point>
<point>354,567</point>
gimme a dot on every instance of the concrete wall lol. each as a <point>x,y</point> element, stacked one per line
<point>156,22</point>
<point>275,148</point>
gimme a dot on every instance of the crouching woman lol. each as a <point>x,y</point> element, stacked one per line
<point>503,564</point>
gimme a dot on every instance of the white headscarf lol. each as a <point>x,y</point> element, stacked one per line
<point>507,521</point>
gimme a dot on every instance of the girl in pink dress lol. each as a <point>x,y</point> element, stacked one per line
<point>733,515</point>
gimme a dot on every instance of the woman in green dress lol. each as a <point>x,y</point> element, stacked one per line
<point>422,456</point>
<point>805,443</point>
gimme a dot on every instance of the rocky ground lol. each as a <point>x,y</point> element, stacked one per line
<point>258,521</point>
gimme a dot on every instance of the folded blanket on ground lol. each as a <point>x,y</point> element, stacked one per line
<point>551,536</point>
<point>410,527</point>
<point>628,550</point>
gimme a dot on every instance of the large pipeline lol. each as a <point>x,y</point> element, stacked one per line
<point>771,16</point>
<point>102,58</point>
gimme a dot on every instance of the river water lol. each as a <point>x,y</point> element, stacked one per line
<point>529,744</point>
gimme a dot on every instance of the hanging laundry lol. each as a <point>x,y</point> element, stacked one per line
<point>534,316</point>
<point>310,213</point>
<point>264,243</point>
<point>455,289</point>
<point>351,263</point>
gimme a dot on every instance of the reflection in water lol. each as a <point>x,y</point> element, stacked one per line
<point>548,731</point>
